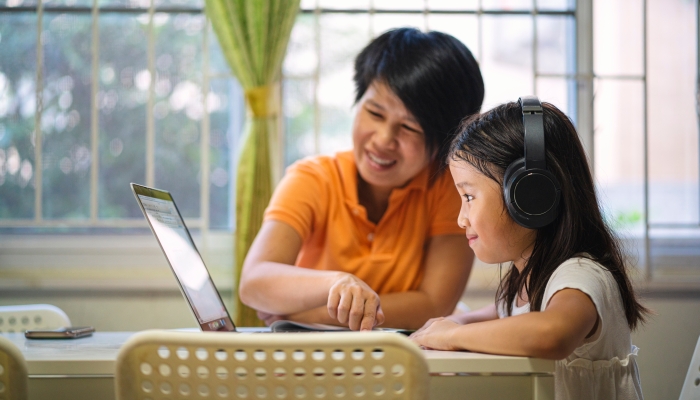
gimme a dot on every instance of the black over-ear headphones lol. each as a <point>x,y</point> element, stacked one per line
<point>531,192</point>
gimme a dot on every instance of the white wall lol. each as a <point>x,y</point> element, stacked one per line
<point>666,343</point>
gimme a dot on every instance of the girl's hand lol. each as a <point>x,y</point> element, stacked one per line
<point>268,319</point>
<point>436,334</point>
<point>453,318</point>
<point>351,301</point>
<point>426,325</point>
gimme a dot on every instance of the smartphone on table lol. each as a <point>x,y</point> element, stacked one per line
<point>71,332</point>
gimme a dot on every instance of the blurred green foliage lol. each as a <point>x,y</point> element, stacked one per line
<point>122,84</point>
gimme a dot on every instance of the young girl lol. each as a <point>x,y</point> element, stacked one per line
<point>567,295</point>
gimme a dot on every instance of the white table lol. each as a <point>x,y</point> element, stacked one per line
<point>84,369</point>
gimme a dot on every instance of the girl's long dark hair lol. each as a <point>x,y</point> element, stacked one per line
<point>494,139</point>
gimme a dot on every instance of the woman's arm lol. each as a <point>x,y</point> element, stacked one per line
<point>448,261</point>
<point>553,333</point>
<point>272,284</point>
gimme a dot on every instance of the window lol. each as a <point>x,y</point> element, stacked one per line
<point>646,131</point>
<point>134,90</point>
<point>106,96</point>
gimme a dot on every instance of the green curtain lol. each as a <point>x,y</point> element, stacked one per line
<point>253,35</point>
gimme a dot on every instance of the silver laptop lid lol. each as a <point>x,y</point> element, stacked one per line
<point>185,261</point>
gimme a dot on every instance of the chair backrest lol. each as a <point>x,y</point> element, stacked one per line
<point>691,386</point>
<point>32,316</point>
<point>165,364</point>
<point>13,372</point>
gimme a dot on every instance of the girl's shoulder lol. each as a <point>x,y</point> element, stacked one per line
<point>582,273</point>
<point>580,264</point>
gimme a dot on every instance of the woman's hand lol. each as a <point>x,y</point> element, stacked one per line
<point>351,301</point>
<point>436,334</point>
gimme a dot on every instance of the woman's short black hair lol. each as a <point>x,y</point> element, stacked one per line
<point>434,74</point>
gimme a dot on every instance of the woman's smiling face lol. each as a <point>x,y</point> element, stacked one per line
<point>493,235</point>
<point>389,144</point>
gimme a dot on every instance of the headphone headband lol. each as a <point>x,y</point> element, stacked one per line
<point>534,132</point>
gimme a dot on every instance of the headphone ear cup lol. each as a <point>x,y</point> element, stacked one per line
<point>514,167</point>
<point>509,177</point>
<point>531,195</point>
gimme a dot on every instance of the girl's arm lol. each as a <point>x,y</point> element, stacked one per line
<point>448,262</point>
<point>272,284</point>
<point>487,313</point>
<point>554,333</point>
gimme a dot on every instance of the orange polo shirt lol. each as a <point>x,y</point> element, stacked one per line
<point>318,198</point>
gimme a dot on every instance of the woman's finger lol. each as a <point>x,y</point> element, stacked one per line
<point>333,301</point>
<point>369,319</point>
<point>344,306</point>
<point>358,312</point>
<point>380,316</point>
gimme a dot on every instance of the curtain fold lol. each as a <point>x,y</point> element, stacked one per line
<point>253,35</point>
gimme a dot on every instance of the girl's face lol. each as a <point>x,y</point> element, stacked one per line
<point>389,144</point>
<point>493,235</point>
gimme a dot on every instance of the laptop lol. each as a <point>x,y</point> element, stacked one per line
<point>192,276</point>
<point>187,265</point>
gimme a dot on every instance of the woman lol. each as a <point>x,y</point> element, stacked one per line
<point>374,230</point>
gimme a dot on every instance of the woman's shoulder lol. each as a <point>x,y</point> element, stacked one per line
<point>318,161</point>
<point>322,166</point>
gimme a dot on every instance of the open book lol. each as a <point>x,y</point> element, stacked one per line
<point>293,326</point>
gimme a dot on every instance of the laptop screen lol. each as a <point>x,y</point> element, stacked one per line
<point>184,259</point>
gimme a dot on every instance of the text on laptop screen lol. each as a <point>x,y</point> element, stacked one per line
<point>184,259</point>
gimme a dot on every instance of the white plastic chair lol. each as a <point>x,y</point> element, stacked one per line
<point>13,372</point>
<point>32,316</point>
<point>195,365</point>
<point>691,386</point>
